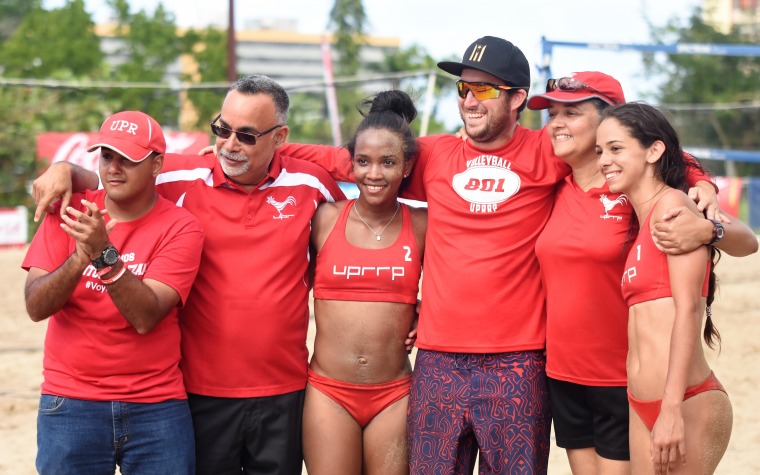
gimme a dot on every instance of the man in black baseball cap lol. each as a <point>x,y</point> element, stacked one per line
<point>490,67</point>
<point>494,56</point>
<point>479,384</point>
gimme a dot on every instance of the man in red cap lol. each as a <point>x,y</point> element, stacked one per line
<point>244,354</point>
<point>108,274</point>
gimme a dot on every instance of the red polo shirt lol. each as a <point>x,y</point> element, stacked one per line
<point>244,324</point>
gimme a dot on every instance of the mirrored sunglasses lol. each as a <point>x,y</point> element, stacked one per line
<point>482,90</point>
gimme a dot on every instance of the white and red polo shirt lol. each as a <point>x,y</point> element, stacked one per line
<point>245,322</point>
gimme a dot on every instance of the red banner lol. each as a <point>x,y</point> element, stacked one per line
<point>72,147</point>
<point>13,226</point>
<point>730,194</point>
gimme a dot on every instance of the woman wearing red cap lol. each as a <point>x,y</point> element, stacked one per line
<point>581,255</point>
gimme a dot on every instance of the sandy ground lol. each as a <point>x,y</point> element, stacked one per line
<point>737,315</point>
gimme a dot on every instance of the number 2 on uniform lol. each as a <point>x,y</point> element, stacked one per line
<point>408,257</point>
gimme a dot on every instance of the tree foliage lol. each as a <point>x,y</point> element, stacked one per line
<point>306,121</point>
<point>348,22</point>
<point>62,43</point>
<point>58,43</point>
<point>710,80</point>
<point>416,58</point>
<point>11,14</point>
<point>28,113</point>
<point>149,47</point>
<point>209,50</point>
<point>53,44</point>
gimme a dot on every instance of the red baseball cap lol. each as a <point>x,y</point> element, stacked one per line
<point>580,86</point>
<point>133,134</point>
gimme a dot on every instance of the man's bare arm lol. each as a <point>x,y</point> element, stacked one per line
<point>60,181</point>
<point>47,292</point>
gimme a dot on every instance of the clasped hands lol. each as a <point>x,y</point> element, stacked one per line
<point>88,228</point>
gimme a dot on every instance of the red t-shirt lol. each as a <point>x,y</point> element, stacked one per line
<point>91,351</point>
<point>245,322</point>
<point>581,255</point>
<point>482,290</point>
<point>347,272</point>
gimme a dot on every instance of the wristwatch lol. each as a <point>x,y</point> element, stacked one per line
<point>108,258</point>
<point>717,232</point>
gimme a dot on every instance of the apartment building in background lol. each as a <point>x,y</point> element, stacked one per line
<point>723,15</point>
<point>274,49</point>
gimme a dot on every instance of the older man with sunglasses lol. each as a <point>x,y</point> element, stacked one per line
<point>244,355</point>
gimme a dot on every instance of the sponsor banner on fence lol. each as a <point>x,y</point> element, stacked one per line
<point>730,194</point>
<point>72,147</point>
<point>13,226</point>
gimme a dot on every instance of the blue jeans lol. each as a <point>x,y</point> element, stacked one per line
<point>76,436</point>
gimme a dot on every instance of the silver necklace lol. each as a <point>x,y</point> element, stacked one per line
<point>377,235</point>
<point>650,199</point>
<point>589,182</point>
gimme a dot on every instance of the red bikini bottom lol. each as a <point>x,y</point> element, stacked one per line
<point>648,411</point>
<point>362,401</point>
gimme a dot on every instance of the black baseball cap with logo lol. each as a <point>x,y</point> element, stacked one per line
<point>495,56</point>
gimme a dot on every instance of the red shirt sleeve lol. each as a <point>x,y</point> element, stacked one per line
<point>50,246</point>
<point>695,174</point>
<point>176,259</point>
<point>335,160</point>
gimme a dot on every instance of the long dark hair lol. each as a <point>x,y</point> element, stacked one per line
<point>647,125</point>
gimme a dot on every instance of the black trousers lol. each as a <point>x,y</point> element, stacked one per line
<point>260,435</point>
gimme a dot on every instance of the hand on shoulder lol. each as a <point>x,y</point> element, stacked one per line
<point>669,201</point>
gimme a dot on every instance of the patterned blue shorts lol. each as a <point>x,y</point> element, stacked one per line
<point>495,403</point>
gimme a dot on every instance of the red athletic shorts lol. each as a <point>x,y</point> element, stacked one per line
<point>362,401</point>
<point>648,411</point>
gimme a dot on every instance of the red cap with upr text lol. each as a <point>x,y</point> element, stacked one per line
<point>133,134</point>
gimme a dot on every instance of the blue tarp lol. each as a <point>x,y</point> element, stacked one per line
<point>753,200</point>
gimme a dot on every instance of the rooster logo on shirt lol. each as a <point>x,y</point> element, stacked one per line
<point>608,204</point>
<point>279,206</point>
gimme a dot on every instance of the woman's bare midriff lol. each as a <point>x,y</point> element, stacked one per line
<point>362,342</point>
<point>650,325</point>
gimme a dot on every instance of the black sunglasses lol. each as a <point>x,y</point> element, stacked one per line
<point>245,138</point>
